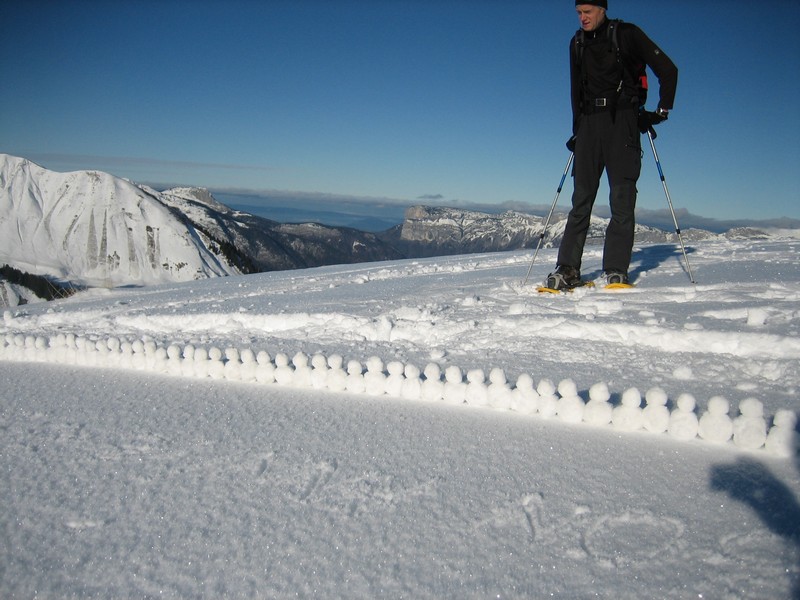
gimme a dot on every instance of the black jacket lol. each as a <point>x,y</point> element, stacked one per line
<point>596,73</point>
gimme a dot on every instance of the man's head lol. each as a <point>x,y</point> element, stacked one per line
<point>591,13</point>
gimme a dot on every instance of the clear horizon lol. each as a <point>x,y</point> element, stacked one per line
<point>464,103</point>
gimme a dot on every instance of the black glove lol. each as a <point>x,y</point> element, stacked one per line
<point>571,143</point>
<point>647,119</point>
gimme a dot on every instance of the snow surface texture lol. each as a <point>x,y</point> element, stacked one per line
<point>411,429</point>
<point>748,430</point>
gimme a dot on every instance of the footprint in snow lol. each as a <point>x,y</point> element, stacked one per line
<point>317,477</point>
<point>625,538</point>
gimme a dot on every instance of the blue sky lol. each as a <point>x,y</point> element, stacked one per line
<point>451,101</point>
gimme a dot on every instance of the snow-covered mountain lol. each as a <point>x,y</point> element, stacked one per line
<point>434,231</point>
<point>91,229</point>
<point>94,229</point>
<point>260,244</point>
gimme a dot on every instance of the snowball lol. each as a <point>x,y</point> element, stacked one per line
<point>524,382</point>
<point>318,361</point>
<point>751,407</point>
<point>785,418</point>
<point>599,391</point>
<point>500,395</point>
<point>570,409</point>
<point>432,387</point>
<point>319,376</point>
<point>355,379</point>
<point>782,439</point>
<point>683,423</point>
<point>453,374</point>
<point>335,361</point>
<point>412,385</point>
<point>374,364</point>
<point>656,397</point>
<point>632,398</point>
<point>336,377</point>
<point>526,399</point>
<point>497,376</point>
<point>686,403</point>
<point>396,379</point>
<point>395,367</point>
<point>718,406</point>
<point>412,371</point>
<point>302,372</point>
<point>300,360</point>
<point>375,379</point>
<point>546,387</point>
<point>477,393</point>
<point>628,416</point>
<point>284,374</point>
<point>455,389</point>
<point>750,429</point>
<point>567,387</point>
<point>715,425</point>
<point>598,412</point>
<point>476,376</point>
<point>548,401</point>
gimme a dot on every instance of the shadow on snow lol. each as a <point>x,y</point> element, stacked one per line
<point>750,482</point>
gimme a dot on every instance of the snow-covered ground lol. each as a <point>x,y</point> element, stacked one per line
<point>417,429</point>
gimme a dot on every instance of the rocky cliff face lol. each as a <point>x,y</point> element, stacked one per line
<point>265,245</point>
<point>429,231</point>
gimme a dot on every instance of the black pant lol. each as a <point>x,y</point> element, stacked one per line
<point>613,144</point>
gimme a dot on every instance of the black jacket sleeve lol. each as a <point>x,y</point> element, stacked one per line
<point>635,43</point>
<point>575,86</point>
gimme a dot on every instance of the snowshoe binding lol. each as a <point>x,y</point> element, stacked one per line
<point>617,280</point>
<point>563,279</point>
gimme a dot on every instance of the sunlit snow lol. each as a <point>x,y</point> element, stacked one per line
<point>411,429</point>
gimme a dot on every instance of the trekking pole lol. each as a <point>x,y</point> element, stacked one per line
<point>669,201</point>
<point>547,221</point>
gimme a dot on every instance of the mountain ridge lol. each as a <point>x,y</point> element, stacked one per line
<point>92,229</point>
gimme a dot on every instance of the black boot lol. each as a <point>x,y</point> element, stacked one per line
<point>563,278</point>
<point>616,277</point>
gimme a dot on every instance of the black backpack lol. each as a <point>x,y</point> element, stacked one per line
<point>636,86</point>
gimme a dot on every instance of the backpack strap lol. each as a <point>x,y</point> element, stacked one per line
<point>612,32</point>
<point>613,27</point>
<point>580,43</point>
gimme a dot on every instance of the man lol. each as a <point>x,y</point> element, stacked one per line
<point>608,84</point>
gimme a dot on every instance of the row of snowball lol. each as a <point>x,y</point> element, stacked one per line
<point>546,399</point>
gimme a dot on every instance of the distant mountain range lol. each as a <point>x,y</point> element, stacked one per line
<point>91,229</point>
